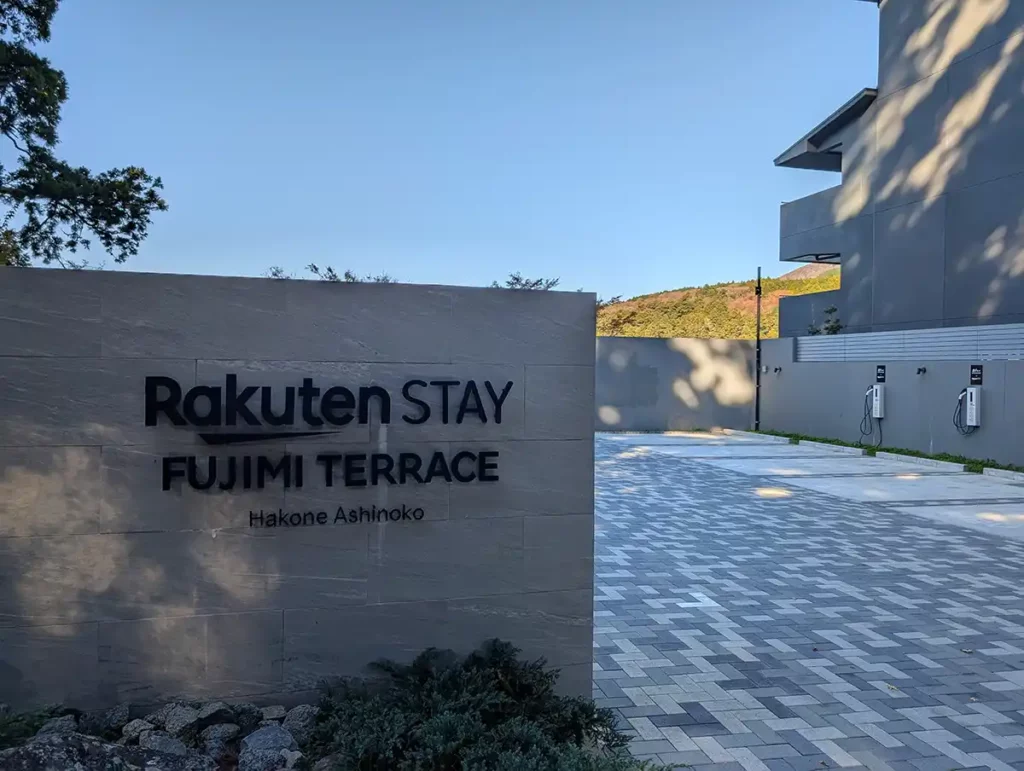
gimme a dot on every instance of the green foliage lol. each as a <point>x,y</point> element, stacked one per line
<point>724,310</point>
<point>518,281</point>
<point>488,711</point>
<point>51,207</point>
<point>348,277</point>
<point>832,325</point>
<point>973,465</point>
<point>331,275</point>
<point>17,728</point>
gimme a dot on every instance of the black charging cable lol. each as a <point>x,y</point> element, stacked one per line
<point>959,419</point>
<point>869,423</point>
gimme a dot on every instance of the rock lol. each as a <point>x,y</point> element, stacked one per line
<point>248,717</point>
<point>223,732</point>
<point>268,760</point>
<point>115,718</point>
<point>215,712</point>
<point>131,732</point>
<point>261,750</point>
<point>330,763</point>
<point>50,752</point>
<point>221,752</point>
<point>182,722</point>
<point>276,712</point>
<point>159,717</point>
<point>271,737</point>
<point>301,721</point>
<point>66,724</point>
<point>5,710</point>
<point>162,742</point>
<point>268,723</point>
<point>261,760</point>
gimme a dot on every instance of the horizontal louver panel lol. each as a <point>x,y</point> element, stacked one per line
<point>1004,341</point>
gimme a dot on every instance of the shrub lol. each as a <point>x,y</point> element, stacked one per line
<point>488,711</point>
<point>16,728</point>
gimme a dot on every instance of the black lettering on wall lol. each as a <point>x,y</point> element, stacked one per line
<point>265,468</point>
<point>486,466</point>
<point>228,483</point>
<point>168,405</point>
<point>193,473</point>
<point>498,400</point>
<point>307,393</point>
<point>444,385</point>
<point>457,472</point>
<point>438,467</point>
<point>171,470</point>
<point>409,465</point>
<point>368,392</point>
<point>381,465</point>
<point>328,459</point>
<point>287,417</point>
<point>212,413</point>
<point>424,415</point>
<point>235,402</point>
<point>355,470</point>
<point>471,393</point>
<point>335,401</point>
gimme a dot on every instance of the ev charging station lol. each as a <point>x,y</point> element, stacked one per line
<point>874,408</point>
<point>967,414</point>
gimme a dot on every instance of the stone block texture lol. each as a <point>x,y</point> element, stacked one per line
<point>112,589</point>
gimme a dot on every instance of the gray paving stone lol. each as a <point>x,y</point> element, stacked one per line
<point>684,759</point>
<point>850,617</point>
<point>640,748</point>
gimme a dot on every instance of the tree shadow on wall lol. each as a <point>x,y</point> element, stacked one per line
<point>113,590</point>
<point>651,384</point>
<point>941,165</point>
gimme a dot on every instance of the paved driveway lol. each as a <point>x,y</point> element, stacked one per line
<point>765,605</point>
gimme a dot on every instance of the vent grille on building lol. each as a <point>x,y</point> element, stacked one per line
<point>997,342</point>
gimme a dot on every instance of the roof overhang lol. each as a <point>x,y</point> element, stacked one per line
<point>817,149</point>
<point>817,258</point>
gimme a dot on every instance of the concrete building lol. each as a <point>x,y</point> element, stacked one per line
<point>928,221</point>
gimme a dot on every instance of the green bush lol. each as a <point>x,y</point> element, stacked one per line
<point>18,728</point>
<point>488,711</point>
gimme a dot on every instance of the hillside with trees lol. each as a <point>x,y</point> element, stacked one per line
<point>716,310</point>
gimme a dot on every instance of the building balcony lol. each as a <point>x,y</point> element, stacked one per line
<point>823,228</point>
<point>808,228</point>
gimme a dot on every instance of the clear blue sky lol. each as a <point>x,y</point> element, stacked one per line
<point>624,146</point>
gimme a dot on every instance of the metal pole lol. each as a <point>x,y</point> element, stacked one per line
<point>757,357</point>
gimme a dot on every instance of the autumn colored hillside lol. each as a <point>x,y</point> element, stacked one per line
<point>717,310</point>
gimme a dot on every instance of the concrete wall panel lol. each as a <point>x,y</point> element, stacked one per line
<point>655,384</point>
<point>986,115</point>
<point>984,264</point>
<point>113,588</point>
<point>909,255</point>
<point>921,37</point>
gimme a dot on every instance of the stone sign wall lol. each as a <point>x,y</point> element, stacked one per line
<point>237,487</point>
